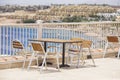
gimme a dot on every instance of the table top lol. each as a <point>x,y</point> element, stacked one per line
<point>55,40</point>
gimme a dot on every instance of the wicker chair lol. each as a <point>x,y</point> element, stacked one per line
<point>38,51</point>
<point>20,50</point>
<point>112,41</point>
<point>78,49</point>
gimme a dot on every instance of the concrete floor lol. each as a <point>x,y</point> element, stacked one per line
<point>106,69</point>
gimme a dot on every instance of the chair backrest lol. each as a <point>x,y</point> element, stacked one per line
<point>17,45</point>
<point>37,47</point>
<point>112,39</point>
<point>86,44</point>
<point>77,39</point>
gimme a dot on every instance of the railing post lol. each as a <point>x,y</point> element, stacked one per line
<point>39,28</point>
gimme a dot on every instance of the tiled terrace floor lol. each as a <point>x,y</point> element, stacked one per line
<point>106,69</point>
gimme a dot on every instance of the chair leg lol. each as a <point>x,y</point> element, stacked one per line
<point>37,62</point>
<point>105,51</point>
<point>71,59</point>
<point>44,62</point>
<point>92,57</point>
<point>80,54</point>
<point>24,61</point>
<point>83,59</point>
<point>30,61</point>
<point>57,59</point>
<point>78,62</point>
<point>67,59</point>
<point>118,53</point>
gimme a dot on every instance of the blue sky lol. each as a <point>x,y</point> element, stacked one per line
<point>36,2</point>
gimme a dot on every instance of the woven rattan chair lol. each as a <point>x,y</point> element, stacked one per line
<point>20,50</point>
<point>38,51</point>
<point>78,50</point>
<point>74,49</point>
<point>112,41</point>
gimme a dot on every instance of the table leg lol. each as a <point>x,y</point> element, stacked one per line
<point>63,57</point>
<point>45,46</point>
